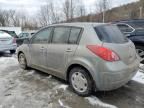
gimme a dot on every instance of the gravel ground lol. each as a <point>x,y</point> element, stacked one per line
<point>34,89</point>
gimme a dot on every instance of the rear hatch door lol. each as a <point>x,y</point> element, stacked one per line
<point>5,38</point>
<point>113,39</point>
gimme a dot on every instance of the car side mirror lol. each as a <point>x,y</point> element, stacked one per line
<point>26,41</point>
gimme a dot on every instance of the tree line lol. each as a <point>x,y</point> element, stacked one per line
<point>67,11</point>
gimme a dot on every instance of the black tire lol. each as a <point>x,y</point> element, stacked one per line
<point>140,48</point>
<point>12,51</point>
<point>88,78</point>
<point>23,66</point>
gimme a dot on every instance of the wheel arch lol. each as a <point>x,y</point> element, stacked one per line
<point>82,66</point>
<point>24,55</point>
<point>19,53</point>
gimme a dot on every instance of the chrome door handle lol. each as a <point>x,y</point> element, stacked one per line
<point>42,48</point>
<point>69,50</point>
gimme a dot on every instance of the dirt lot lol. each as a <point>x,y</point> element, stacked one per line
<point>34,89</point>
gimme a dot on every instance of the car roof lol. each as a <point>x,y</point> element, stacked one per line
<point>78,24</point>
<point>129,21</point>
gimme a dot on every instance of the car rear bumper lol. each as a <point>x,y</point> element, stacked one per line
<point>8,47</point>
<point>116,75</point>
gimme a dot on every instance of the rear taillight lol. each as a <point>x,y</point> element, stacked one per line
<point>104,53</point>
<point>14,40</point>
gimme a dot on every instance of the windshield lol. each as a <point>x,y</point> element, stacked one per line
<point>23,35</point>
<point>110,34</point>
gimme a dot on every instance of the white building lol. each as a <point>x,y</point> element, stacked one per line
<point>17,30</point>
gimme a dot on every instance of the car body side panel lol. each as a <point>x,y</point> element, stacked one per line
<point>107,75</point>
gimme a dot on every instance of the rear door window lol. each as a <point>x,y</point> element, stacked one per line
<point>61,35</point>
<point>74,34</point>
<point>110,34</point>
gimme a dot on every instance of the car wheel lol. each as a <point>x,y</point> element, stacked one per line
<point>140,52</point>
<point>22,61</point>
<point>80,81</point>
<point>12,51</point>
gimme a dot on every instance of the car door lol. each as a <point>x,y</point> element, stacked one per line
<point>38,48</point>
<point>73,42</point>
<point>56,52</point>
<point>62,47</point>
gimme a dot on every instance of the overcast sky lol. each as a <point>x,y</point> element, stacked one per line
<point>32,6</point>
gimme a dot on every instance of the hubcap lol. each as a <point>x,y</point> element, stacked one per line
<point>141,54</point>
<point>22,60</point>
<point>79,82</point>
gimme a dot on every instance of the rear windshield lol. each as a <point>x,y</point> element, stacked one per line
<point>110,34</point>
<point>12,33</point>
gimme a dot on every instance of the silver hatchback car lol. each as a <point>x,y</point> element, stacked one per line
<point>7,42</point>
<point>90,56</point>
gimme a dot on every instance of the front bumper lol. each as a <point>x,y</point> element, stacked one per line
<point>117,75</point>
<point>8,47</point>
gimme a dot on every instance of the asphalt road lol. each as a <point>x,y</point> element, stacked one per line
<point>34,89</point>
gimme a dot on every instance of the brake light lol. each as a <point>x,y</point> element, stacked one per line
<point>104,53</point>
<point>14,40</point>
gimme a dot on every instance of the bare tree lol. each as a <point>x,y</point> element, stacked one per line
<point>81,10</point>
<point>142,3</point>
<point>69,9</point>
<point>55,17</point>
<point>141,8</point>
<point>14,18</point>
<point>44,15</point>
<point>48,14</point>
<point>2,18</point>
<point>66,9</point>
<point>101,7</point>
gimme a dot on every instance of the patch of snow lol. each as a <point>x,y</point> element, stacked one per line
<point>139,77</point>
<point>62,105</point>
<point>7,61</point>
<point>95,101</point>
<point>64,87</point>
<point>13,106</point>
<point>49,77</point>
<point>60,102</point>
<point>56,92</point>
<point>139,99</point>
<point>30,73</point>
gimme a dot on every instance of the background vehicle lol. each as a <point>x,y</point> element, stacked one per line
<point>88,55</point>
<point>12,33</point>
<point>7,42</point>
<point>134,30</point>
<point>24,35</point>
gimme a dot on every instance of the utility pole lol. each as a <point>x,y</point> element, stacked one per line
<point>71,9</point>
<point>140,11</point>
<point>104,9</point>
